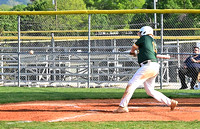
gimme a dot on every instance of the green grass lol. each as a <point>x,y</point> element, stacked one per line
<point>23,94</point>
<point>102,125</point>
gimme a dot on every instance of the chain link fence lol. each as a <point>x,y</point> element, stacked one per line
<point>90,50</point>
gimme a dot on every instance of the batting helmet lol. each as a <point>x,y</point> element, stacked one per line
<point>145,30</point>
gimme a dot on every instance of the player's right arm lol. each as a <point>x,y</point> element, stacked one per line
<point>134,50</point>
<point>135,46</point>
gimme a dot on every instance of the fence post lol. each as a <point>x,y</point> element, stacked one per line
<point>155,18</point>
<point>89,18</point>
<point>53,57</point>
<point>178,50</point>
<point>19,51</point>
<point>161,62</point>
<point>179,62</point>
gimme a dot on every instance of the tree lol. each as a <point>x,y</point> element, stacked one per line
<point>114,4</point>
<point>18,7</point>
<point>5,7</point>
<point>8,23</point>
<point>172,20</point>
<point>173,4</point>
<point>52,22</point>
<point>39,5</point>
<point>113,21</point>
<point>71,22</point>
<point>14,2</point>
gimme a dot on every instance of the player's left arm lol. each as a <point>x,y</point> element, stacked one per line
<point>158,55</point>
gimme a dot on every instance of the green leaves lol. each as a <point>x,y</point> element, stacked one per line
<point>114,4</point>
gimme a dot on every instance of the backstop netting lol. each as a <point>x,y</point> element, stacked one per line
<point>90,48</point>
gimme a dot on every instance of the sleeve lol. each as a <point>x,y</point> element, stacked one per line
<point>198,57</point>
<point>186,60</point>
<point>135,46</point>
<point>140,41</point>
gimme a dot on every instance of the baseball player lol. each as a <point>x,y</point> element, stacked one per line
<point>148,71</point>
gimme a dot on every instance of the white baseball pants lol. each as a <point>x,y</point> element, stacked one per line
<point>146,75</point>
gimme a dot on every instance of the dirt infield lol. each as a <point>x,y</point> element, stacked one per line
<point>99,110</point>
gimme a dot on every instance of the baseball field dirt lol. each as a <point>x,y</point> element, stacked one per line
<point>99,110</point>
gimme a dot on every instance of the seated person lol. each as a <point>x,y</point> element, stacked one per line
<point>190,69</point>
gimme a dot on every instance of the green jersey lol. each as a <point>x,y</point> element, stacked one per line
<point>147,49</point>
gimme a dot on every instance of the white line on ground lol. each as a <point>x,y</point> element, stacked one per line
<point>135,107</point>
<point>185,109</point>
<point>67,118</point>
<point>19,122</point>
<point>68,105</point>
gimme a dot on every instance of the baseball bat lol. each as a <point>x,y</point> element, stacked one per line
<point>163,56</point>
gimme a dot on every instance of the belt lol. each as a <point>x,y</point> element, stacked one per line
<point>146,62</point>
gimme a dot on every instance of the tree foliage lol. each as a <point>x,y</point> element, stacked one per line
<point>51,22</point>
<point>114,4</point>
<point>39,5</point>
<point>113,21</point>
<point>8,23</point>
<point>98,21</point>
<point>18,8</point>
<point>173,4</point>
<point>171,20</point>
<point>71,22</point>
<point>14,2</point>
<point>5,7</point>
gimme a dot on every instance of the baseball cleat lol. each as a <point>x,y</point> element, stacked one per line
<point>121,110</point>
<point>174,103</point>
